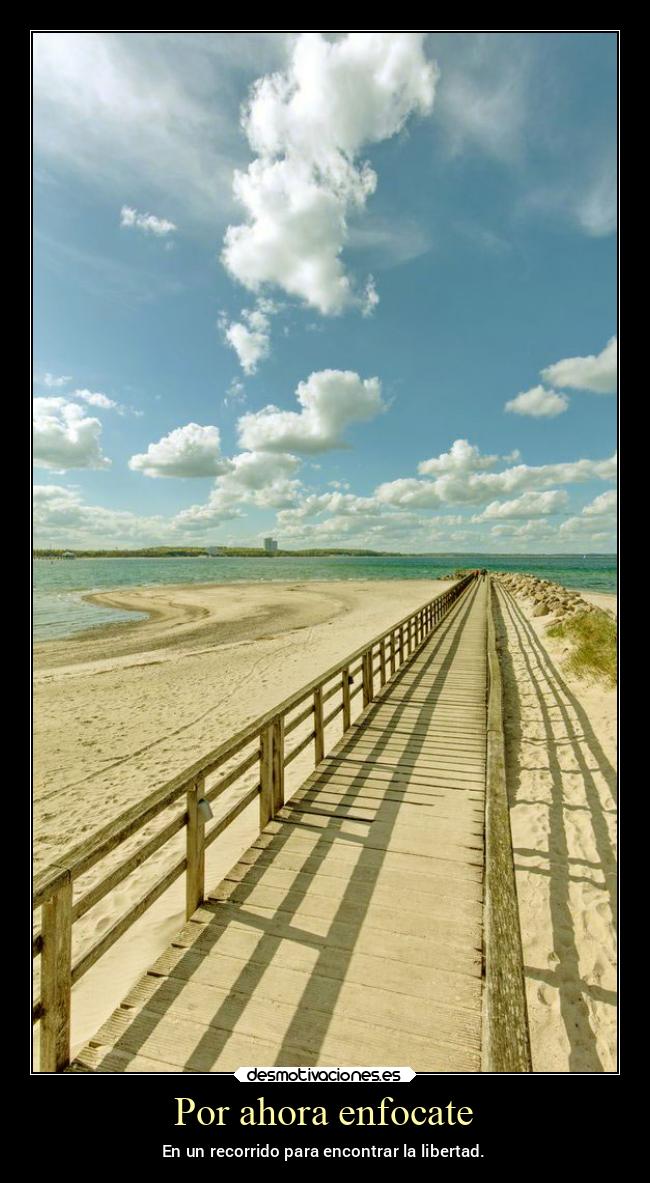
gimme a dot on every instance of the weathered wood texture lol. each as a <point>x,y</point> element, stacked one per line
<point>506,1044</point>
<point>55,978</point>
<point>351,931</point>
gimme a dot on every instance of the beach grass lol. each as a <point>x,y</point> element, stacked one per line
<point>593,639</point>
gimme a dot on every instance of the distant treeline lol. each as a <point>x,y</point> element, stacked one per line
<point>198,552</point>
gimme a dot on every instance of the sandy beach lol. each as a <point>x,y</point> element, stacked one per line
<point>561,759</point>
<point>120,710</point>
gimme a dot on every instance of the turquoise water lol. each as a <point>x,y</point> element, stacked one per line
<point>60,584</point>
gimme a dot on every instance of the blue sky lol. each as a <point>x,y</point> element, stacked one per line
<point>351,291</point>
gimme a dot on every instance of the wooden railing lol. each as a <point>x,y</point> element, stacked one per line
<point>506,1038</point>
<point>54,888</point>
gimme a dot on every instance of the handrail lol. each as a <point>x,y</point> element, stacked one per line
<point>381,658</point>
<point>506,1039</point>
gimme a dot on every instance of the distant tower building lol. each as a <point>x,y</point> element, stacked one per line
<point>270,546</point>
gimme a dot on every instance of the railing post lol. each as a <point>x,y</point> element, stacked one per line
<point>402,643</point>
<point>409,637</point>
<point>382,662</point>
<point>56,985</point>
<point>392,653</point>
<point>271,770</point>
<point>266,776</point>
<point>319,737</point>
<point>278,764</point>
<point>367,677</point>
<point>347,706</point>
<point>195,873</point>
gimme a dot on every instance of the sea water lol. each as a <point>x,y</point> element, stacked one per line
<point>60,584</point>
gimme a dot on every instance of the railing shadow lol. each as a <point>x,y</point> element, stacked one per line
<point>327,944</point>
<point>558,709</point>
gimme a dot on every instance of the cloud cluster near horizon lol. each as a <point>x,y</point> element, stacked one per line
<point>515,501</point>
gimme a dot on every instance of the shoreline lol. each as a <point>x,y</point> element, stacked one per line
<point>121,599</point>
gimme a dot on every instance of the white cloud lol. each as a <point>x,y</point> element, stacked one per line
<point>261,479</point>
<point>465,483</point>
<point>605,504</point>
<point>528,505</point>
<point>190,451</point>
<point>52,381</point>
<point>65,437</point>
<point>235,394</point>
<point>462,457</point>
<point>370,297</point>
<point>94,399</point>
<point>330,401</point>
<point>342,504</point>
<point>597,373</point>
<point>250,337</point>
<point>147,223</point>
<point>307,126</point>
<point>539,403</point>
<point>62,519</point>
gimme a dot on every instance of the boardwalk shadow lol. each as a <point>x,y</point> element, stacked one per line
<point>567,732</point>
<point>312,953</point>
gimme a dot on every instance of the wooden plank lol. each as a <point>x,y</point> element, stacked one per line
<point>278,1003</point>
<point>267,885</point>
<point>506,1045</point>
<point>193,1047</point>
<point>422,793</point>
<point>231,959</point>
<point>390,872</point>
<point>431,949</point>
<point>298,845</point>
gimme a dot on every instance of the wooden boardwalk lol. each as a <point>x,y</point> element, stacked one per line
<point>351,931</point>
